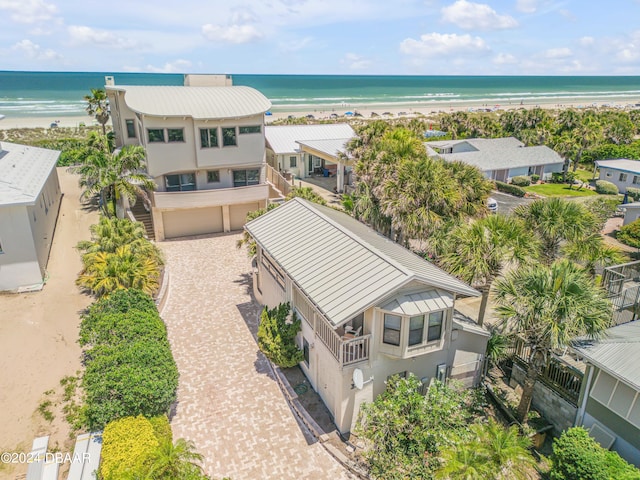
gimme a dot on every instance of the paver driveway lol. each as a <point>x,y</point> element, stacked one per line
<point>228,404</point>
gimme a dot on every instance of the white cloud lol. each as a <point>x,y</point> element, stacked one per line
<point>177,66</point>
<point>83,36</point>
<point>356,62</point>
<point>35,51</point>
<point>29,11</point>
<point>527,6</point>
<point>295,45</point>
<point>557,53</point>
<point>437,44</point>
<point>476,16</point>
<point>504,59</point>
<point>231,33</point>
<point>586,41</point>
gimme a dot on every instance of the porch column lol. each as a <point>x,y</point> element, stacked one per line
<point>340,179</point>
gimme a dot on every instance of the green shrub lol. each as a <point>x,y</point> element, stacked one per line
<point>521,181</point>
<point>557,177</point>
<point>511,189</point>
<point>602,208</point>
<point>535,178</point>
<point>161,428</point>
<point>127,444</point>
<point>577,456</point>
<point>121,301</point>
<point>630,234</point>
<point>606,188</point>
<point>276,336</point>
<point>115,328</point>
<point>137,378</point>
<point>634,193</point>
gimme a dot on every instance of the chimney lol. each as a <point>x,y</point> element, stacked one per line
<point>109,81</point>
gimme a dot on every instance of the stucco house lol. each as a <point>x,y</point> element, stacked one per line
<point>609,403</point>
<point>631,212</point>
<point>205,150</point>
<point>499,158</point>
<point>30,199</point>
<point>365,302</point>
<point>621,172</point>
<point>305,150</point>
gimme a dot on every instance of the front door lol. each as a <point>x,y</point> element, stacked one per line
<point>310,164</point>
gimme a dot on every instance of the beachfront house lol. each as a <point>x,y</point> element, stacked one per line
<point>311,150</point>
<point>609,404</point>
<point>30,198</point>
<point>365,302</point>
<point>621,172</point>
<point>499,159</point>
<point>205,149</point>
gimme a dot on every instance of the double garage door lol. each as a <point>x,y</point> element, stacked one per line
<point>200,221</point>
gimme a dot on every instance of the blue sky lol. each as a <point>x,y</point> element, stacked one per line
<point>390,37</point>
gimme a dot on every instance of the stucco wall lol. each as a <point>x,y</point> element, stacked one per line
<point>43,216</point>
<point>613,176</point>
<point>18,262</point>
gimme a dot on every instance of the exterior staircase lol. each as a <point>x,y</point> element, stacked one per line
<point>143,216</point>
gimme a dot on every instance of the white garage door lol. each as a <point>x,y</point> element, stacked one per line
<point>198,221</point>
<point>238,214</point>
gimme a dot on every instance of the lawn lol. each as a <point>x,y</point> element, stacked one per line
<point>584,175</point>
<point>559,190</point>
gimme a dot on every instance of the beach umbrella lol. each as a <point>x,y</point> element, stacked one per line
<point>268,113</point>
<point>348,114</point>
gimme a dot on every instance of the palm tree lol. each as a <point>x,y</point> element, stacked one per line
<point>306,193</point>
<point>593,251</point>
<point>463,461</point>
<point>556,221</point>
<point>175,461</point>
<point>478,252</point>
<point>546,307</point>
<point>98,106</point>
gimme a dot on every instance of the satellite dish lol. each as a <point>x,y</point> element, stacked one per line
<point>358,379</point>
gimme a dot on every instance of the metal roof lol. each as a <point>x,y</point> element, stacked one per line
<point>197,102</point>
<point>285,138</point>
<point>622,164</point>
<point>618,353</point>
<point>330,148</point>
<point>416,303</point>
<point>496,153</point>
<point>23,172</point>
<point>342,265</point>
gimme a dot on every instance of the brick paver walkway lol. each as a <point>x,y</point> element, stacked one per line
<point>228,404</point>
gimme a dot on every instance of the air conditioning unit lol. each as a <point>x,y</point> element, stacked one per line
<point>425,384</point>
<point>441,372</point>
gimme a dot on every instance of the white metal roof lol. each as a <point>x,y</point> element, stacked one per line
<point>618,353</point>
<point>342,265</point>
<point>330,148</point>
<point>622,164</point>
<point>284,139</point>
<point>416,303</point>
<point>196,102</point>
<point>23,172</point>
<point>497,153</point>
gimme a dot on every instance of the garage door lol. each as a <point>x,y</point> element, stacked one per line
<point>238,214</point>
<point>181,223</point>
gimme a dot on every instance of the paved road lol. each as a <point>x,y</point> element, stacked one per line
<point>507,203</point>
<point>228,403</point>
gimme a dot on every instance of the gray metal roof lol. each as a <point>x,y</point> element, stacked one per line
<point>496,153</point>
<point>23,172</point>
<point>342,265</point>
<point>330,147</point>
<point>196,102</point>
<point>618,353</point>
<point>415,303</point>
<point>622,164</point>
<point>285,138</point>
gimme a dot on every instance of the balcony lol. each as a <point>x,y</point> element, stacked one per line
<point>210,198</point>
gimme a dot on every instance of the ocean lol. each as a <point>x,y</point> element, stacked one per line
<point>60,94</point>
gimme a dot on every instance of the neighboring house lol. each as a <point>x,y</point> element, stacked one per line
<point>30,199</point>
<point>631,212</point>
<point>610,397</point>
<point>499,159</point>
<point>622,172</point>
<point>305,150</point>
<point>205,150</point>
<point>365,302</point>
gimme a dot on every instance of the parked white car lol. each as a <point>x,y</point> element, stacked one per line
<point>492,205</point>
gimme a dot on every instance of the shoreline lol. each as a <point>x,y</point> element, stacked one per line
<point>324,112</point>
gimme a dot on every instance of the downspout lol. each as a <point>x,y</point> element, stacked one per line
<point>581,411</point>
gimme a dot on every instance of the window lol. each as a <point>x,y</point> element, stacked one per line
<point>391,334</point>
<point>623,177</point>
<point>435,326</point>
<point>155,135</point>
<point>208,137</point>
<point>250,129</point>
<point>305,351</point>
<point>180,182</point>
<point>242,178</point>
<point>229,137</point>
<point>608,174</point>
<point>636,179</point>
<point>131,129</point>
<point>416,329</point>
<point>213,176</point>
<point>175,134</point>
<point>271,267</point>
<point>293,162</point>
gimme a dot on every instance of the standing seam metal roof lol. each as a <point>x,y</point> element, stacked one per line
<point>342,265</point>
<point>622,164</point>
<point>284,138</point>
<point>197,102</point>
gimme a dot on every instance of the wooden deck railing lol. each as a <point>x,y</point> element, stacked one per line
<point>278,181</point>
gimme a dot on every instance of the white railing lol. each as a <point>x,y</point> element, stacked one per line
<point>355,350</point>
<point>278,181</point>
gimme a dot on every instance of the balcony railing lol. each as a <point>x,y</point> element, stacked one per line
<point>278,181</point>
<point>211,198</point>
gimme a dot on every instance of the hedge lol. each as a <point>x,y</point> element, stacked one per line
<point>521,181</point>
<point>630,234</point>
<point>634,193</point>
<point>511,189</point>
<point>121,301</point>
<point>606,188</point>
<point>535,178</point>
<point>115,328</point>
